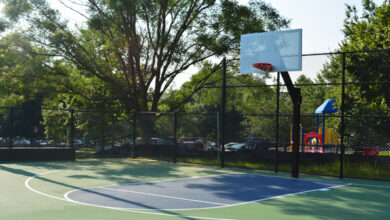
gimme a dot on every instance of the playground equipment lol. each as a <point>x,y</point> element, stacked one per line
<point>313,142</point>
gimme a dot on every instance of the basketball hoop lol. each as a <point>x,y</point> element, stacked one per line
<point>266,67</point>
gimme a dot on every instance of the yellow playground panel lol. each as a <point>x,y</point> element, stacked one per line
<point>315,145</point>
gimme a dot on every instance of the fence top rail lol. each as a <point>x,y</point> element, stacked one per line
<point>211,113</point>
<point>334,53</point>
<point>303,84</point>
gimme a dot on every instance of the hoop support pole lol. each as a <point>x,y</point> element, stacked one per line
<point>295,94</point>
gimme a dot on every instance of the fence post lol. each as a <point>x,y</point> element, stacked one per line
<point>174,137</point>
<point>277,124</point>
<point>134,134</point>
<point>218,141</point>
<point>71,127</point>
<point>11,126</point>
<point>342,109</point>
<point>296,124</point>
<point>223,96</point>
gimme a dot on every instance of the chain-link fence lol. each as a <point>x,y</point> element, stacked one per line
<point>252,127</point>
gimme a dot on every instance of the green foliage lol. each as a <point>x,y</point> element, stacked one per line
<point>367,32</point>
<point>371,31</point>
<point>133,50</point>
<point>57,125</point>
<point>127,54</point>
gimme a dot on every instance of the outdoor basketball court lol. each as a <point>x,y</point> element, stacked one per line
<point>194,193</point>
<point>143,189</point>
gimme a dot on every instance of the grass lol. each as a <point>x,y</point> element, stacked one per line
<point>351,169</point>
<point>85,152</point>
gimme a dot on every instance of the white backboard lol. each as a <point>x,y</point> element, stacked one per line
<point>282,49</point>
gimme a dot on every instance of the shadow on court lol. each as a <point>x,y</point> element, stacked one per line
<point>119,171</point>
<point>347,202</point>
<point>351,203</point>
<point>30,174</point>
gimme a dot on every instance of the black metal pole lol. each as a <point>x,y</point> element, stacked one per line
<point>11,127</point>
<point>218,136</point>
<point>296,98</point>
<point>174,137</point>
<point>71,127</point>
<point>223,112</point>
<point>342,109</point>
<point>277,123</point>
<point>134,134</point>
<point>296,123</point>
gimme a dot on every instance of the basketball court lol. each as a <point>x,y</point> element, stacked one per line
<point>195,193</point>
<point>145,189</point>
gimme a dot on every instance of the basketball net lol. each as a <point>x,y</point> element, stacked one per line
<point>266,67</point>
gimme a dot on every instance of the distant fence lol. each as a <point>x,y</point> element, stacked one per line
<point>356,142</point>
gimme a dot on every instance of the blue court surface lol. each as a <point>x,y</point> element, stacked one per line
<point>195,193</point>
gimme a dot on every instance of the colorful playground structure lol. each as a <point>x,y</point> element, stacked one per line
<point>314,142</point>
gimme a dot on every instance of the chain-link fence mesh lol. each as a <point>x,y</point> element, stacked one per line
<point>5,127</point>
<point>103,131</point>
<point>155,135</point>
<point>197,138</point>
<point>352,141</point>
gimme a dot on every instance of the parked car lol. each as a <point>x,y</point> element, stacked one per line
<point>211,146</point>
<point>21,141</point>
<point>194,145</point>
<point>228,146</point>
<point>77,143</point>
<point>240,147</point>
<point>42,142</point>
<point>3,141</point>
<point>256,144</point>
<point>249,145</point>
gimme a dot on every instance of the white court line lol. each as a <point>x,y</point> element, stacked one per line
<point>161,214</point>
<point>164,196</point>
<point>141,212</point>
<point>369,185</point>
<point>27,184</point>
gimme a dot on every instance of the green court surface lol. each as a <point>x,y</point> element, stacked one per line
<point>36,191</point>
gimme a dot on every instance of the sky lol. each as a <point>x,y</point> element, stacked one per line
<point>321,20</point>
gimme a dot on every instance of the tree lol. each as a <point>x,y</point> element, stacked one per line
<point>367,32</point>
<point>133,50</point>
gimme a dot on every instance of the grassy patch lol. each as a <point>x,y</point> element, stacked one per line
<point>85,153</point>
<point>351,169</point>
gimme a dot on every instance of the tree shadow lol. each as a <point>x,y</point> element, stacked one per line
<point>347,202</point>
<point>118,176</point>
<point>356,203</point>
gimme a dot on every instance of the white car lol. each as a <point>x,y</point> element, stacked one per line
<point>22,141</point>
<point>228,146</point>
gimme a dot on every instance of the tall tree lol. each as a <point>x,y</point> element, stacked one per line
<point>134,49</point>
<point>370,31</point>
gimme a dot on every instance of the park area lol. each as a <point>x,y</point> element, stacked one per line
<point>183,109</point>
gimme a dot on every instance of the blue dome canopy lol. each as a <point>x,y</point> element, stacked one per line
<point>327,107</point>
